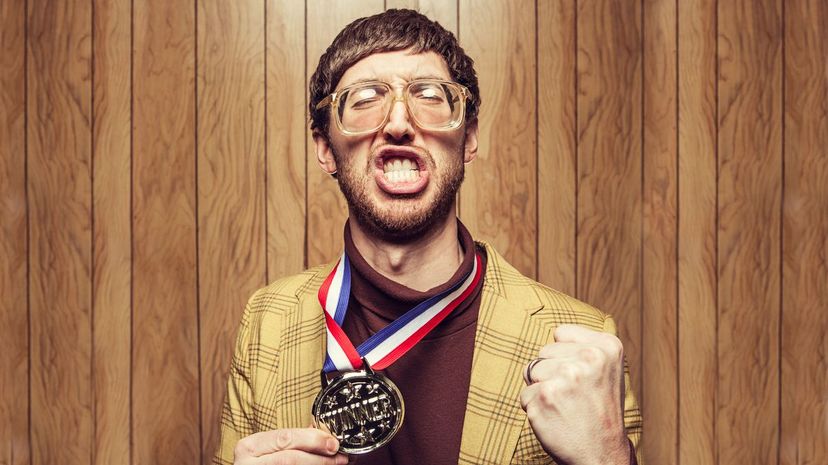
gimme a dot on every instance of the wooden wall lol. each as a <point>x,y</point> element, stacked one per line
<point>663,160</point>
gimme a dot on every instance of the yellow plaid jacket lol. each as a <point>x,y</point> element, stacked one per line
<point>280,349</point>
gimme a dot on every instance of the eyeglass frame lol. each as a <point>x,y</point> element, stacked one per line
<point>333,100</point>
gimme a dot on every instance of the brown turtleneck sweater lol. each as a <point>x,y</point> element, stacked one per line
<point>434,375</point>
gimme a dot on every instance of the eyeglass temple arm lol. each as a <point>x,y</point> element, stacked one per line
<point>326,101</point>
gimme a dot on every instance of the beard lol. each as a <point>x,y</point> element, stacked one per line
<point>401,218</point>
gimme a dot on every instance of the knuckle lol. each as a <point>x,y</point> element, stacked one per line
<point>614,345</point>
<point>547,393</point>
<point>546,351</point>
<point>244,448</point>
<point>283,439</point>
<point>571,373</point>
<point>593,355</point>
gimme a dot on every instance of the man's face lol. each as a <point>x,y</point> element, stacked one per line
<point>402,179</point>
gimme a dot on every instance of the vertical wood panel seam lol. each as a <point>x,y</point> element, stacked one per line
<point>93,380</point>
<point>131,222</point>
<point>716,271</point>
<point>642,200</point>
<point>307,109</point>
<point>197,224</point>
<point>677,446</point>
<point>266,131</point>
<point>781,251</point>
<point>577,140</point>
<point>537,150</point>
<point>28,222</point>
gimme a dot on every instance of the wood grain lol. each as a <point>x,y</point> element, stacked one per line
<point>60,254</point>
<point>609,167</point>
<point>749,207</point>
<point>804,409</point>
<point>14,311</point>
<point>286,124</point>
<point>327,211</point>
<point>659,277</point>
<point>205,195</point>
<point>697,301</point>
<point>231,187</point>
<point>556,145</point>
<point>498,201</point>
<point>112,243</point>
<point>442,11</point>
<point>165,365</point>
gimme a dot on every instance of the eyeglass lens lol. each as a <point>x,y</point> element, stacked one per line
<point>433,105</point>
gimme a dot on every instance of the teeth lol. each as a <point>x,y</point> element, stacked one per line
<point>401,170</point>
<point>402,175</point>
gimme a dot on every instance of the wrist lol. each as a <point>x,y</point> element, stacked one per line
<point>617,452</point>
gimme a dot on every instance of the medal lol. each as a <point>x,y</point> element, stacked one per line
<point>361,408</point>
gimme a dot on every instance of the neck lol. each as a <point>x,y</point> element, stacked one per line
<point>421,264</point>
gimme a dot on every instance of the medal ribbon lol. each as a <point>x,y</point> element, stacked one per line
<point>392,342</point>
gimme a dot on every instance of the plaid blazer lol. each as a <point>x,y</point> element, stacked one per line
<point>280,349</point>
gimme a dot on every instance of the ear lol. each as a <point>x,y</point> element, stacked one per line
<point>470,150</point>
<point>324,153</point>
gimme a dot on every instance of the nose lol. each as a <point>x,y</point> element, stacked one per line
<point>399,125</point>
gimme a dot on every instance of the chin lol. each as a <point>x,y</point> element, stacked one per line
<point>400,224</point>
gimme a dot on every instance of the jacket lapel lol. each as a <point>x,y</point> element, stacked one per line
<point>506,339</point>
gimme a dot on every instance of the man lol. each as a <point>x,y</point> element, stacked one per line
<point>492,368</point>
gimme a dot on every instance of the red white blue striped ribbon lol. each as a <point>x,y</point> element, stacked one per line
<point>392,342</point>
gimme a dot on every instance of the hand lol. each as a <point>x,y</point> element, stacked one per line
<point>574,400</point>
<point>289,447</point>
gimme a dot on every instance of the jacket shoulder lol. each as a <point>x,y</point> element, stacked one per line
<point>506,280</point>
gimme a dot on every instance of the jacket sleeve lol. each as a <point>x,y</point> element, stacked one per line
<point>632,413</point>
<point>237,415</point>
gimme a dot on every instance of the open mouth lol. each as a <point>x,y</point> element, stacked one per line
<point>400,171</point>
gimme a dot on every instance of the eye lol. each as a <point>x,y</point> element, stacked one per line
<point>365,97</point>
<point>429,94</point>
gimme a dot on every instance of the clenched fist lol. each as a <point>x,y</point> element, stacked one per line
<point>574,398</point>
<point>289,447</point>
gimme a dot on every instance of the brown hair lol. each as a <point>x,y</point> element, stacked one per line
<point>392,30</point>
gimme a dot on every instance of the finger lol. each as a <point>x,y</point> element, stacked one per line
<point>566,368</point>
<point>299,457</point>
<point>562,349</point>
<point>305,439</point>
<point>575,333</point>
<point>578,334</point>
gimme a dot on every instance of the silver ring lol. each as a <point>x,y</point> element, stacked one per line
<point>527,373</point>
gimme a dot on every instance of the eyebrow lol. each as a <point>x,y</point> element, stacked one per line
<point>420,76</point>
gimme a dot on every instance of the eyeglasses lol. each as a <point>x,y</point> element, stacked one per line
<point>364,107</point>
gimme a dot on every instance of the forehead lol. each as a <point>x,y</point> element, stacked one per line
<point>396,67</point>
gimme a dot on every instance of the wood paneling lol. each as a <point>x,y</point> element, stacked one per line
<point>609,131</point>
<point>441,11</point>
<point>557,164</point>
<point>165,352</point>
<point>749,207</point>
<point>804,374</point>
<point>499,203</point>
<point>286,125</point>
<point>664,161</point>
<point>749,226</point>
<point>326,208</point>
<point>231,187</point>
<point>697,190</point>
<point>659,274</point>
<point>60,254</point>
<point>14,313</point>
<point>112,234</point>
